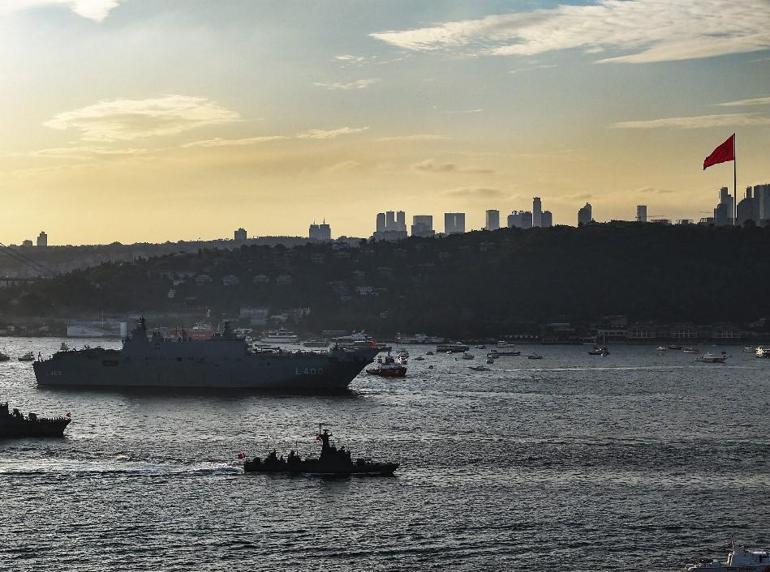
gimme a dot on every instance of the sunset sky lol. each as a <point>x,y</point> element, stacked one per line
<point>154,120</point>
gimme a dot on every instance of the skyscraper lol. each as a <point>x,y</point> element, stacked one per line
<point>547,219</point>
<point>320,232</point>
<point>42,239</point>
<point>762,196</point>
<point>537,212</point>
<point>390,220</point>
<point>422,225</point>
<point>454,223</point>
<point>380,222</point>
<point>493,220</point>
<point>723,213</point>
<point>520,219</point>
<point>390,226</point>
<point>401,220</point>
<point>239,235</point>
<point>585,215</point>
<point>641,213</point>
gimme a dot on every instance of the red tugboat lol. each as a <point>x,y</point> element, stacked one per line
<point>332,462</point>
<point>388,367</point>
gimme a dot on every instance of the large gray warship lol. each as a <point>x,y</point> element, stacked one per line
<point>222,362</point>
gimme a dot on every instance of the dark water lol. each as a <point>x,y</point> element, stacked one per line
<point>635,461</point>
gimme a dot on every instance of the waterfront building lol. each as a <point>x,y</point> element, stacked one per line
<point>492,220</point>
<point>641,213</point>
<point>520,219</point>
<point>454,223</point>
<point>585,215</point>
<point>320,232</point>
<point>537,212</point>
<point>422,225</point>
<point>240,235</point>
<point>42,239</point>
<point>547,220</point>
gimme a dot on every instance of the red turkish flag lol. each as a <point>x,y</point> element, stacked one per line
<point>725,152</point>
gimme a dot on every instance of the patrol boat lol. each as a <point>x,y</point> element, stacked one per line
<point>221,362</point>
<point>738,560</point>
<point>16,425</point>
<point>332,462</point>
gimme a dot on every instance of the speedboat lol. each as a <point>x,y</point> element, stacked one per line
<point>674,347</point>
<point>690,350</point>
<point>467,355</point>
<point>402,353</point>
<point>388,367</point>
<point>661,349</point>
<point>713,358</point>
<point>534,356</point>
<point>479,368</point>
<point>29,356</point>
<point>4,357</point>
<point>761,352</point>
<point>739,559</point>
<point>599,351</point>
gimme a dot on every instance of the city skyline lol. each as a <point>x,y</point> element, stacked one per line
<point>131,121</point>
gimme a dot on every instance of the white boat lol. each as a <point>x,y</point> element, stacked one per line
<point>761,352</point>
<point>402,353</point>
<point>661,349</point>
<point>281,336</point>
<point>713,358</point>
<point>739,559</point>
<point>690,350</point>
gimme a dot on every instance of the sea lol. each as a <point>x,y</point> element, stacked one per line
<point>640,460</point>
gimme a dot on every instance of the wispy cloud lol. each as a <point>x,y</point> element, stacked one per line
<point>128,119</point>
<point>476,193</point>
<point>532,68</point>
<point>330,133</point>
<point>698,121</point>
<point>651,30</point>
<point>83,152</point>
<point>242,142</point>
<point>464,111</point>
<point>96,10</point>
<point>415,137</point>
<point>747,102</point>
<point>350,58</point>
<point>431,166</point>
<point>345,86</point>
<point>654,191</point>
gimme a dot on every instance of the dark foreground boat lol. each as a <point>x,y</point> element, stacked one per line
<point>14,424</point>
<point>332,462</point>
<point>222,362</point>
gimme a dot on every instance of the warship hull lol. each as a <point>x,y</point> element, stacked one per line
<point>318,468</point>
<point>304,372</point>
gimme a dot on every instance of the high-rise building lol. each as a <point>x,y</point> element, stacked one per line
<point>390,226</point>
<point>42,239</point>
<point>520,219</point>
<point>585,215</point>
<point>723,213</point>
<point>240,235</point>
<point>422,225</point>
<point>320,232</point>
<point>641,213</point>
<point>454,223</point>
<point>547,219</point>
<point>762,196</point>
<point>493,220</point>
<point>537,212</point>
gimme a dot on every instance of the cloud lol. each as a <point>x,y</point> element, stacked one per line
<point>651,30</point>
<point>346,86</point>
<point>414,137</point>
<point>84,152</point>
<point>128,119</point>
<point>730,120</point>
<point>330,133</point>
<point>96,10</point>
<point>476,193</point>
<point>430,166</point>
<point>243,142</point>
<point>654,190</point>
<point>532,68</point>
<point>464,111</point>
<point>747,102</point>
<point>349,58</point>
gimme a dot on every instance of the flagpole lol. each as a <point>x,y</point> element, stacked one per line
<point>735,185</point>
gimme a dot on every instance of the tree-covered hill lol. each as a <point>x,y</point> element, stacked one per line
<point>480,283</point>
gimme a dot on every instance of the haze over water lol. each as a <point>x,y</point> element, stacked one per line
<point>633,461</point>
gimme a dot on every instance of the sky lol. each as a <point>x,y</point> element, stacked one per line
<point>155,120</point>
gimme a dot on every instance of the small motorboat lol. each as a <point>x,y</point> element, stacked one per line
<point>467,355</point>
<point>599,351</point>
<point>713,358</point>
<point>29,356</point>
<point>419,358</point>
<point>490,361</point>
<point>402,353</point>
<point>534,356</point>
<point>64,347</point>
<point>761,352</point>
<point>661,349</point>
<point>739,559</point>
<point>749,349</point>
<point>501,353</point>
<point>4,357</point>
<point>674,347</point>
<point>690,350</point>
<point>388,367</point>
<point>479,368</point>
<point>429,353</point>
